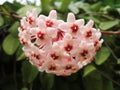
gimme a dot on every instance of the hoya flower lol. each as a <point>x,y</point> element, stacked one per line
<point>56,46</point>
<point>72,26</point>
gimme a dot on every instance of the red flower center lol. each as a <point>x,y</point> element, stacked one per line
<point>68,47</point>
<point>52,67</point>
<point>37,56</point>
<point>74,28</point>
<point>54,56</point>
<point>49,23</point>
<point>23,42</point>
<point>84,53</point>
<point>40,35</point>
<point>22,28</point>
<point>95,43</point>
<point>30,20</point>
<point>88,34</point>
<point>68,67</point>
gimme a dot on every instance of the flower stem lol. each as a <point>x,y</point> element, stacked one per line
<point>110,32</point>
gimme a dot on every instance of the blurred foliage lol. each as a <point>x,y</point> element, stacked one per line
<point>16,73</point>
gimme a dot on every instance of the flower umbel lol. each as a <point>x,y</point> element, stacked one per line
<point>58,47</point>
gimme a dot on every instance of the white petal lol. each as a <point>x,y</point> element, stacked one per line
<point>41,24</point>
<point>90,24</point>
<point>64,27</point>
<point>58,22</point>
<point>52,32</point>
<point>80,22</point>
<point>43,17</point>
<point>34,12</point>
<point>24,22</point>
<point>55,46</point>
<point>67,36</point>
<point>53,14</point>
<point>71,18</point>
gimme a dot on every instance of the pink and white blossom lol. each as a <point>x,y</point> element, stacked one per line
<point>56,46</point>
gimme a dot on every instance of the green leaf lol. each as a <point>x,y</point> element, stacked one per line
<point>45,6</point>
<point>21,57</point>
<point>47,81</point>
<point>102,55</point>
<point>1,21</point>
<point>20,54</point>
<point>109,2</point>
<point>33,74</point>
<point>96,6</point>
<point>10,6</point>
<point>108,24</point>
<point>118,61</point>
<point>14,29</point>
<point>22,11</point>
<point>96,20</point>
<point>24,88</point>
<point>83,6</point>
<point>93,81</point>
<point>88,69</point>
<point>29,72</point>
<point>64,5</point>
<point>73,8</point>
<point>107,84</point>
<point>10,44</point>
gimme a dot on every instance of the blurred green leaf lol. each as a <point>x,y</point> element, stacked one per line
<point>33,74</point>
<point>102,55</point>
<point>46,7</point>
<point>107,84</point>
<point>83,6</point>
<point>109,2</point>
<point>10,7</point>
<point>10,44</point>
<point>96,6</point>
<point>64,5</point>
<point>93,81</point>
<point>118,9</point>
<point>29,72</point>
<point>4,10</point>
<point>20,54</point>
<point>108,24</point>
<point>47,80</point>
<point>88,69</point>
<point>24,88</point>
<point>118,61</point>
<point>73,8</point>
<point>22,11</point>
<point>1,20</point>
<point>95,19</point>
<point>14,29</point>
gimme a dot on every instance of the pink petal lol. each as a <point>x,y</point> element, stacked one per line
<point>34,11</point>
<point>53,14</point>
<point>71,18</point>
<point>90,24</point>
<point>64,27</point>
<point>41,24</point>
<point>79,22</point>
<point>52,32</point>
<point>43,17</point>
<point>67,36</point>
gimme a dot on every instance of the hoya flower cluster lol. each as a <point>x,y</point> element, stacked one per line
<point>56,46</point>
